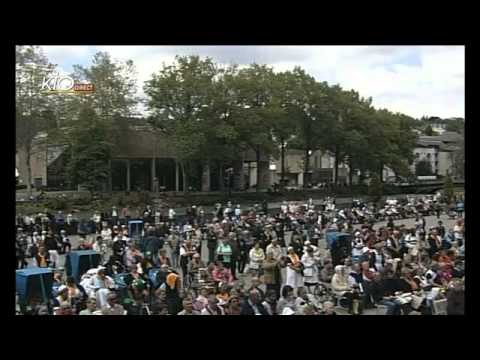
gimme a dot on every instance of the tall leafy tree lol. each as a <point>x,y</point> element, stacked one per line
<point>32,106</point>
<point>256,107</point>
<point>178,97</point>
<point>306,107</point>
<point>114,98</point>
<point>90,151</point>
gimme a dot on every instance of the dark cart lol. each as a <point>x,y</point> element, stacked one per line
<point>79,262</point>
<point>34,283</point>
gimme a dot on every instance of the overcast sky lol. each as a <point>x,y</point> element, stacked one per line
<point>415,80</point>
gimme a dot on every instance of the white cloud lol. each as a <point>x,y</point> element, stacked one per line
<point>415,80</point>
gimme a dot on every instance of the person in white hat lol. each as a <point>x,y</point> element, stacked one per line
<point>102,285</point>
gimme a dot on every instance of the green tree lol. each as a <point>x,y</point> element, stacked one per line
<point>115,87</point>
<point>90,151</point>
<point>448,189</point>
<point>429,131</point>
<point>179,96</point>
<point>32,106</point>
<point>375,188</point>
<point>254,117</point>
<point>306,106</point>
<point>455,125</point>
<point>423,168</point>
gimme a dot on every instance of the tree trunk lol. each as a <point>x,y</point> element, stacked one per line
<point>29,170</point>
<point>306,178</point>
<point>381,173</point>
<point>337,153</point>
<point>205,186</point>
<point>221,180</point>
<point>257,157</point>
<point>282,181</point>
<point>350,172</point>
<point>184,178</point>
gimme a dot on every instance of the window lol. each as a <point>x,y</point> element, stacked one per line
<point>428,156</point>
<point>417,155</point>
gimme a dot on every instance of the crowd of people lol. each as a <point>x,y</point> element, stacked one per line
<point>256,263</point>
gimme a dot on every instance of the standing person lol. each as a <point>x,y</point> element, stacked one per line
<point>42,258</point>
<point>244,250</point>
<point>126,214</point>
<point>411,242</point>
<point>294,269</point>
<point>51,246</point>
<point>21,245</point>
<point>224,252</point>
<point>212,243</point>
<point>271,274</point>
<point>65,242</point>
<point>172,291</point>
<point>441,229</point>
<point>174,245</point>
<point>238,212</point>
<point>97,219</point>
<point>235,254</point>
<point>434,242</point>
<point>275,249</point>
<point>152,243</point>
<point>393,245</point>
<point>256,256</point>
<point>172,216</point>
<point>310,271</point>
<point>187,250</point>
<point>114,215</point>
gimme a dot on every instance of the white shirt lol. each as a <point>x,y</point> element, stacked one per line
<point>171,213</point>
<point>257,256</point>
<point>275,250</point>
<point>106,234</point>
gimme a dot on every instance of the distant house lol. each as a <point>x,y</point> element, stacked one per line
<point>439,151</point>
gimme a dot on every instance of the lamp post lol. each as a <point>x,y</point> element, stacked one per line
<point>306,177</point>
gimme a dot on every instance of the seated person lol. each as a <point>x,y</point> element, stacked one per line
<point>221,274</point>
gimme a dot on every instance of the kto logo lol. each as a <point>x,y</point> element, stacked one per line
<point>65,84</point>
